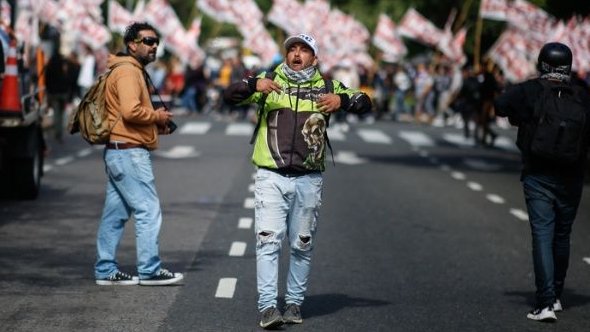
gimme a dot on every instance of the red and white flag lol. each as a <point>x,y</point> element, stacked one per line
<point>220,10</point>
<point>415,26</point>
<point>387,39</point>
<point>494,9</point>
<point>119,17</point>
<point>285,15</point>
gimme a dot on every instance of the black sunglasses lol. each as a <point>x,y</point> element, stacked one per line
<point>149,41</point>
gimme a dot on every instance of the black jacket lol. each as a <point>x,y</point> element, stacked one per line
<point>517,103</point>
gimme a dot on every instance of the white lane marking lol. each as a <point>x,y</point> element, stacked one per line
<point>374,136</point>
<point>474,186</point>
<point>64,160</point>
<point>587,260</point>
<point>336,134</point>
<point>253,176</point>
<point>239,129</point>
<point>245,223</point>
<point>416,138</point>
<point>237,249</point>
<point>481,165</point>
<point>495,199</point>
<point>349,158</point>
<point>84,153</point>
<point>226,288</point>
<point>506,143</point>
<point>179,152</point>
<point>249,203</point>
<point>251,187</point>
<point>520,214</point>
<point>458,139</point>
<point>195,128</point>
<point>47,168</point>
<point>458,175</point>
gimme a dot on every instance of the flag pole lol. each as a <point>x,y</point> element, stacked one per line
<point>477,43</point>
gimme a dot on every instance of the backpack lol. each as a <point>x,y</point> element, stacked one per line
<point>90,117</point>
<point>558,131</point>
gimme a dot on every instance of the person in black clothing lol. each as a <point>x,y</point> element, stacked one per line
<point>552,189</point>
<point>468,100</point>
<point>57,81</point>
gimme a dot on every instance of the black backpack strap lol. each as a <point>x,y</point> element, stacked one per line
<point>329,86</point>
<point>270,75</point>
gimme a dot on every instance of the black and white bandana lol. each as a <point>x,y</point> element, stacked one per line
<point>561,73</point>
<point>301,76</point>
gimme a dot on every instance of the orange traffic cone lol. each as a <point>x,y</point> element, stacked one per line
<point>10,94</point>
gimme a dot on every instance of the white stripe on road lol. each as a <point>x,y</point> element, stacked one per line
<point>587,260</point>
<point>251,187</point>
<point>458,175</point>
<point>47,168</point>
<point>336,134</point>
<point>474,186</point>
<point>245,223</point>
<point>239,129</point>
<point>64,160</point>
<point>495,198</point>
<point>416,138</point>
<point>520,214</point>
<point>237,249</point>
<point>506,143</point>
<point>374,136</point>
<point>195,128</point>
<point>348,158</point>
<point>84,153</point>
<point>249,203</point>
<point>179,152</point>
<point>226,288</point>
<point>458,139</point>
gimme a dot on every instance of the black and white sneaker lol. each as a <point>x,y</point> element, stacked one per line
<point>557,307</point>
<point>270,318</point>
<point>292,314</point>
<point>542,314</point>
<point>118,278</point>
<point>163,277</point>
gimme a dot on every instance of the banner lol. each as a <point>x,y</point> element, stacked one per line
<point>387,39</point>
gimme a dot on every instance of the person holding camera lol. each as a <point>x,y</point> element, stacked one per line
<point>131,188</point>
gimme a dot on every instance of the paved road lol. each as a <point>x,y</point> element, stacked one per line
<point>419,231</point>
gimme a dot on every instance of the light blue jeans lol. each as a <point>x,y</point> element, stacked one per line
<point>131,189</point>
<point>286,207</point>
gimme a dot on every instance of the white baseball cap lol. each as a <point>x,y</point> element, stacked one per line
<point>302,38</point>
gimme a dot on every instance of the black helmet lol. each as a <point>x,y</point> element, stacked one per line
<point>555,58</point>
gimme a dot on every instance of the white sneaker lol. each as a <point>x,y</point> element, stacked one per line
<point>557,306</point>
<point>542,314</point>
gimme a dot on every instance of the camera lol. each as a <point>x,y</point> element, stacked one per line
<point>172,126</point>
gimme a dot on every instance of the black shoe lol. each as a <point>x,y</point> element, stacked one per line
<point>118,278</point>
<point>270,318</point>
<point>163,277</point>
<point>292,314</point>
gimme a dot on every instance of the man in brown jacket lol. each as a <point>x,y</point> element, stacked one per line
<point>131,187</point>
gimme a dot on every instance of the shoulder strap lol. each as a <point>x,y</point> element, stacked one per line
<point>270,75</point>
<point>329,85</point>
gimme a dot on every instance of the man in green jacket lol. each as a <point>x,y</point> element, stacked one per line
<point>289,152</point>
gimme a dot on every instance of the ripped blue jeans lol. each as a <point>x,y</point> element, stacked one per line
<point>286,207</point>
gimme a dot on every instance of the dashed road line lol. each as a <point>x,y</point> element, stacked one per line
<point>237,249</point>
<point>249,203</point>
<point>239,129</point>
<point>374,136</point>
<point>520,214</point>
<point>495,199</point>
<point>587,260</point>
<point>458,176</point>
<point>226,288</point>
<point>251,187</point>
<point>64,160</point>
<point>245,223</point>
<point>84,153</point>
<point>474,186</point>
<point>195,128</point>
